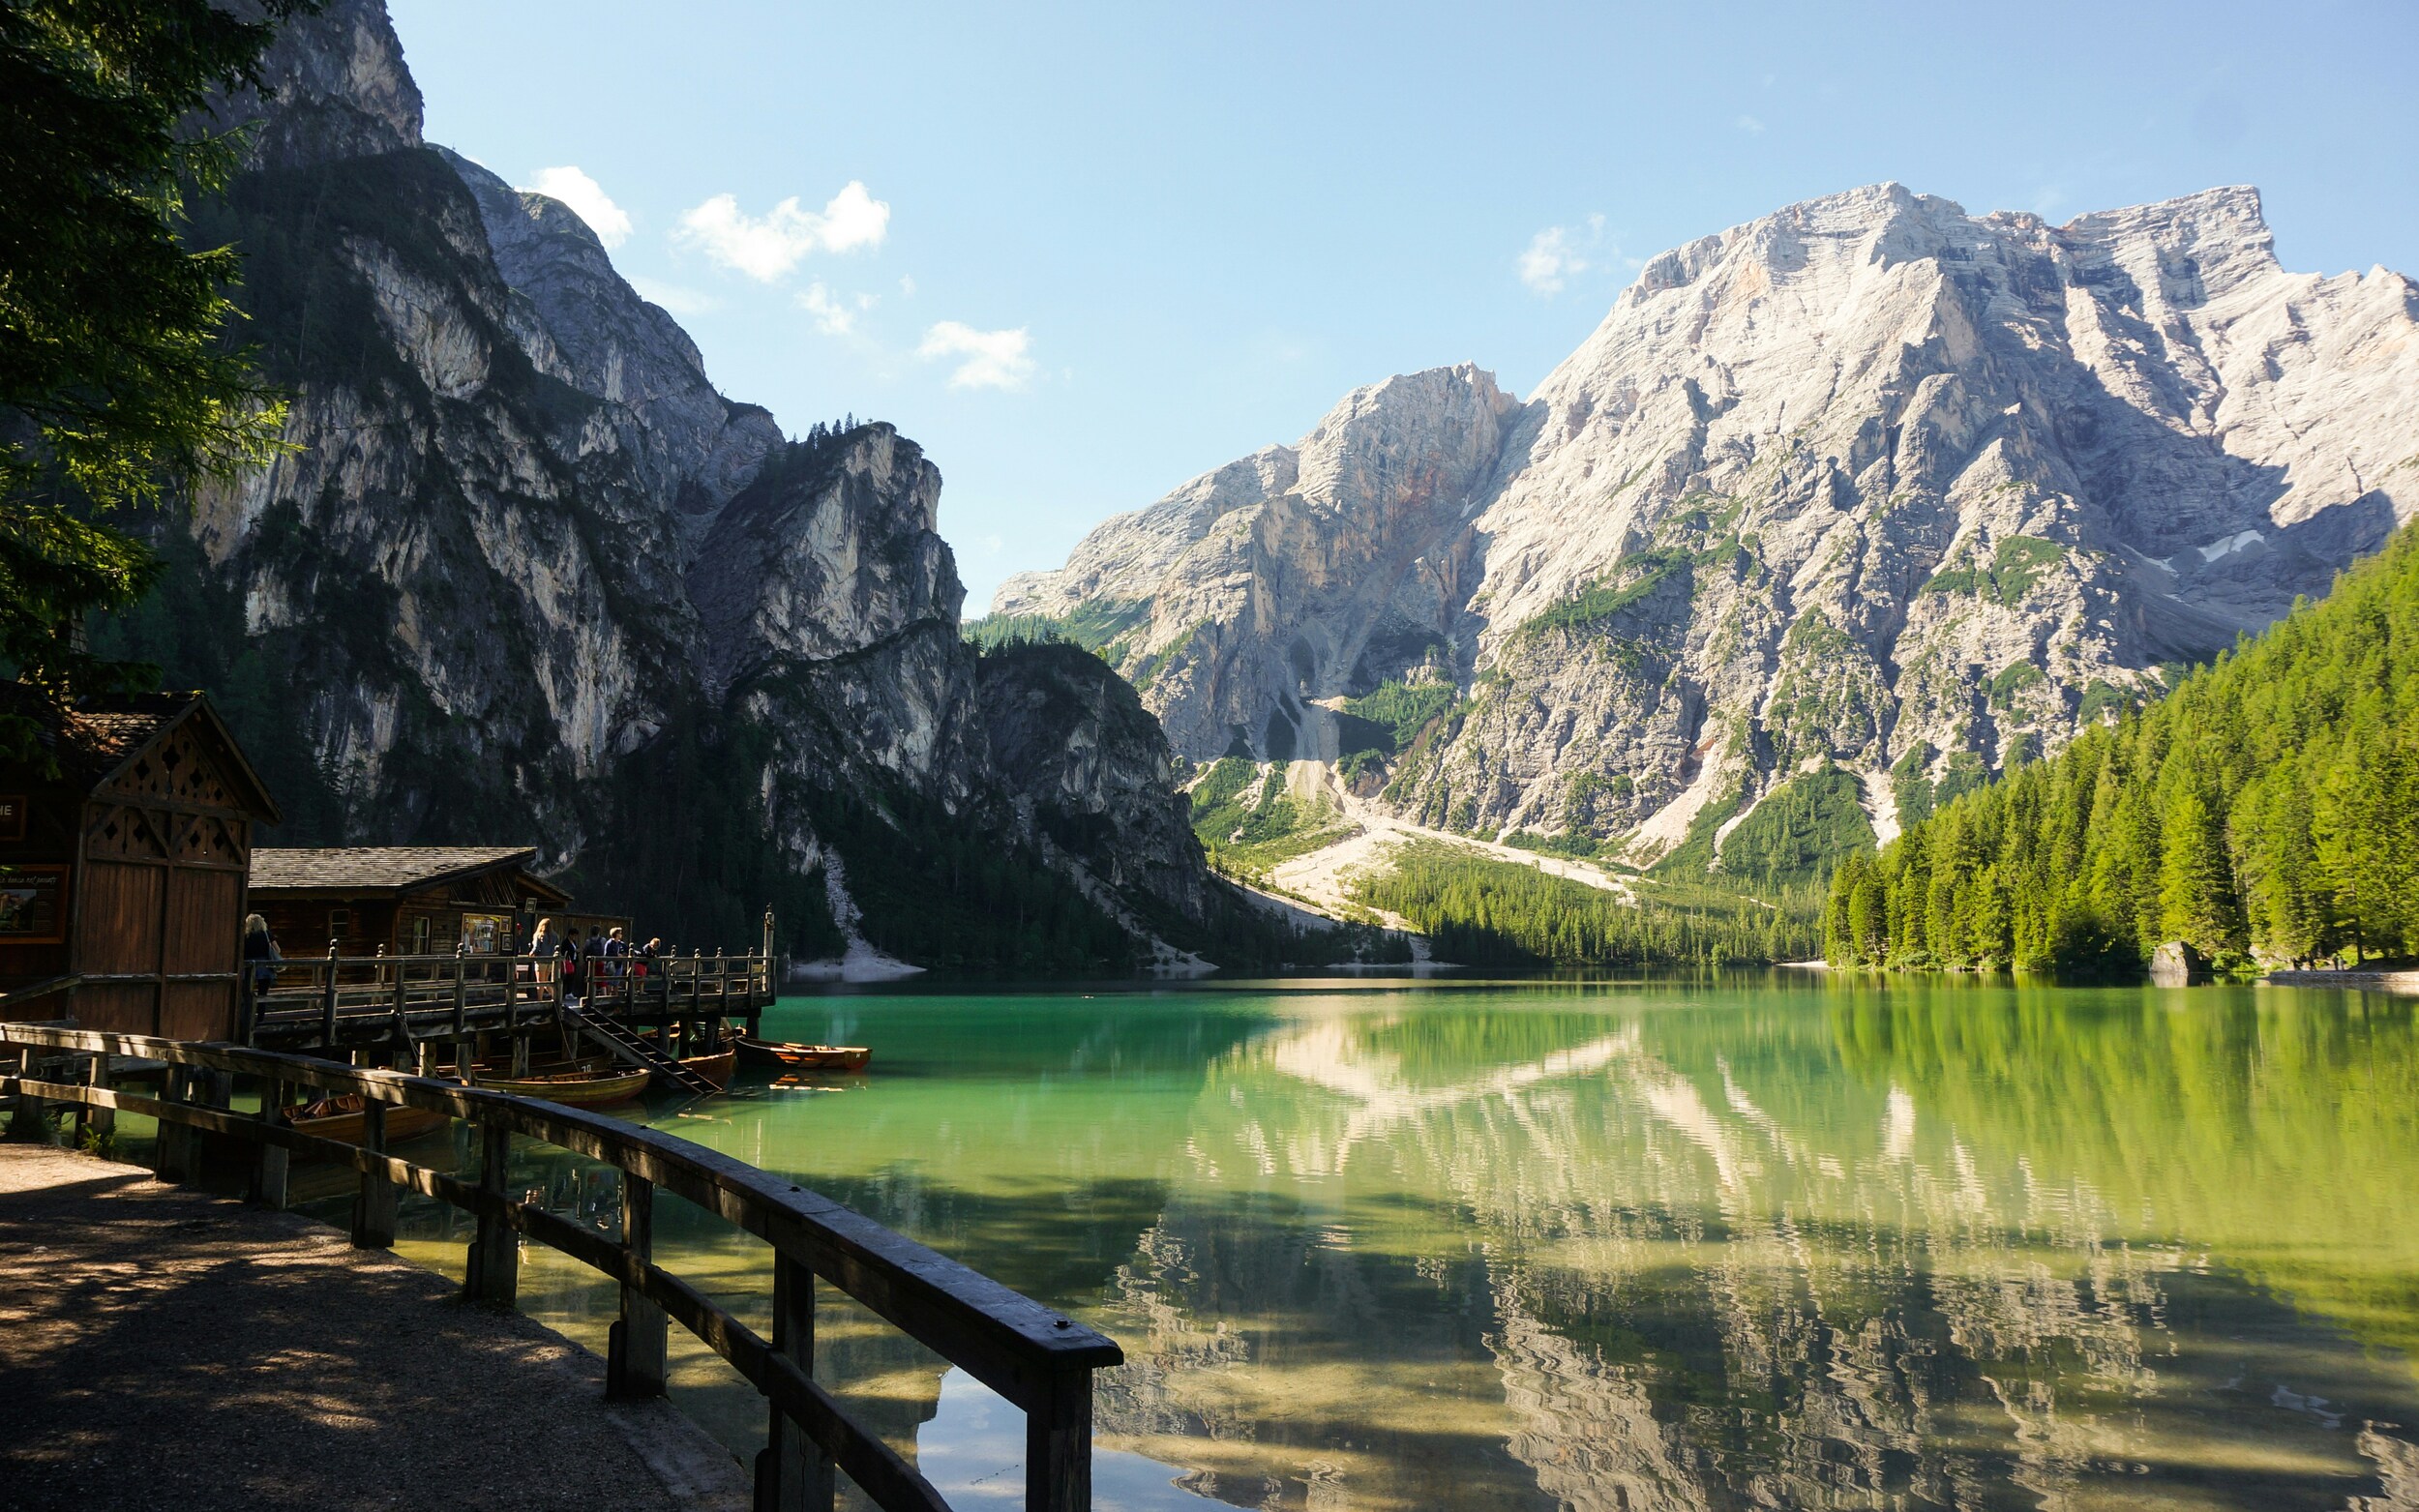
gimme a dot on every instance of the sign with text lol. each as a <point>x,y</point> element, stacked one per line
<point>11,817</point>
<point>31,899</point>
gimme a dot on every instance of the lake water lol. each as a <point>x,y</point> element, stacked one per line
<point>1770,1242</point>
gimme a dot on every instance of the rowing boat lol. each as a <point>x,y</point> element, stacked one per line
<point>716,1067</point>
<point>342,1120</point>
<point>803,1057</point>
<point>579,1090</point>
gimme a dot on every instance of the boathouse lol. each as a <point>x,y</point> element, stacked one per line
<point>123,843</point>
<point>407,899</point>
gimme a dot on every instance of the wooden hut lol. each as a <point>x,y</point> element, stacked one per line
<point>124,845</point>
<point>405,900</point>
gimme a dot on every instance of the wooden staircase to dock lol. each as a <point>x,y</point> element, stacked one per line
<point>631,1048</point>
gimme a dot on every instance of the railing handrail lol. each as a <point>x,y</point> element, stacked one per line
<point>1028,1354</point>
<point>729,966</point>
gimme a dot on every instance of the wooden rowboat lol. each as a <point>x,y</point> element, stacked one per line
<point>342,1118</point>
<point>578,1089</point>
<point>803,1057</point>
<point>716,1068</point>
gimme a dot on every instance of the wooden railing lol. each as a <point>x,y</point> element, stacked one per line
<point>322,999</point>
<point>1039,1359</point>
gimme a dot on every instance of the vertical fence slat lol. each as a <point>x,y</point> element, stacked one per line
<point>375,1207</point>
<point>96,1124</point>
<point>792,1474</point>
<point>327,1001</point>
<point>1057,1447</point>
<point>634,1360</point>
<point>270,1163</point>
<point>173,1146</point>
<point>493,1273</point>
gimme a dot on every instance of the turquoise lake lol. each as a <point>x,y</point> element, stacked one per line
<point>1767,1241</point>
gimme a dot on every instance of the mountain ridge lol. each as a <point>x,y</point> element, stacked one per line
<point>1866,480</point>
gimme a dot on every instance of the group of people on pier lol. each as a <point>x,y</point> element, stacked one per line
<point>604,958</point>
<point>587,964</point>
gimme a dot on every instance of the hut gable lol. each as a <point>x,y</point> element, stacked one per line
<point>130,866</point>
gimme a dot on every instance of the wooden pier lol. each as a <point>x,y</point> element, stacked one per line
<point>1040,1360</point>
<point>397,1002</point>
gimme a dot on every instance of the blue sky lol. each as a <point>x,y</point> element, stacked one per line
<point>1092,250</point>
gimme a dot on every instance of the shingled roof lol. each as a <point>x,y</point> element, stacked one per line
<point>92,740</point>
<point>366,868</point>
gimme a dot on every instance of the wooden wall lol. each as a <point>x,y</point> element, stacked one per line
<point>160,901</point>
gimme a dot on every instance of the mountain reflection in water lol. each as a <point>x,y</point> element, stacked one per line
<point>1757,1243</point>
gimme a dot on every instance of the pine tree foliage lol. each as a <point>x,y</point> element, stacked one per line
<point>2267,810</point>
<point>115,379</point>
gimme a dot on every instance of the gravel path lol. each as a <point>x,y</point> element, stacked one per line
<point>163,1348</point>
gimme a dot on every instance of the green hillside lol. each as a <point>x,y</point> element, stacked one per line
<point>2266,810</point>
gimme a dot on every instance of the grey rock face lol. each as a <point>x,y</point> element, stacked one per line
<point>1296,575</point>
<point>527,576</point>
<point>1868,480</point>
<point>1091,771</point>
<point>687,442</point>
<point>332,86</point>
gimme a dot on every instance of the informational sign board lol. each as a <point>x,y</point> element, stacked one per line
<point>33,905</point>
<point>11,817</point>
<point>487,933</point>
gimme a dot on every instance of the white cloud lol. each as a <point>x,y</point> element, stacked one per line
<point>1749,125</point>
<point>588,200</point>
<point>673,297</point>
<point>907,285</point>
<point>994,359</point>
<point>835,316</point>
<point>1560,253</point>
<point>766,248</point>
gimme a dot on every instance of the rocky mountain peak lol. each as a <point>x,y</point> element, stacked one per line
<point>1869,480</point>
<point>333,86</point>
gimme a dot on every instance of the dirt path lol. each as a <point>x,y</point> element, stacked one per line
<point>163,1348</point>
<point>1321,874</point>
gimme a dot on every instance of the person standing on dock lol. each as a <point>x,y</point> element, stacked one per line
<point>261,953</point>
<point>572,976</point>
<point>542,945</point>
<point>616,952</point>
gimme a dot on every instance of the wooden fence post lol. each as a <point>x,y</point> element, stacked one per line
<point>403,1018</point>
<point>635,1354</point>
<point>94,1124</point>
<point>327,1002</point>
<point>1058,1446</point>
<point>375,1207</point>
<point>32,1118</point>
<point>172,1146</point>
<point>494,1274</point>
<point>271,1161</point>
<point>207,1156</point>
<point>793,1473</point>
<point>462,990</point>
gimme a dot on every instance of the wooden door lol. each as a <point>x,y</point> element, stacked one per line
<point>118,933</point>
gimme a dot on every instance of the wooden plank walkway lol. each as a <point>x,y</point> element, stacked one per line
<point>161,1347</point>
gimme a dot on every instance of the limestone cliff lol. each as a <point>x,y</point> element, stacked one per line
<point>525,576</point>
<point>1867,481</point>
